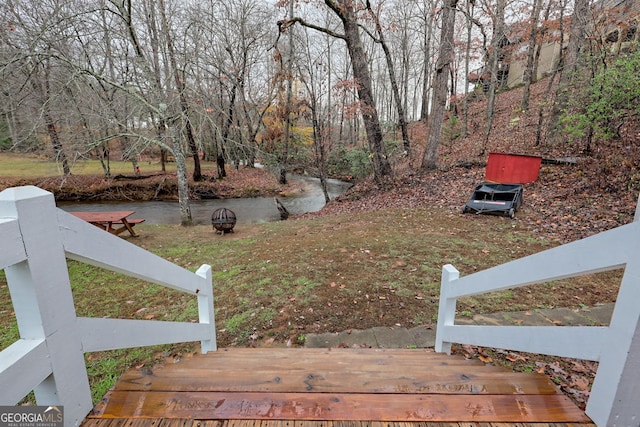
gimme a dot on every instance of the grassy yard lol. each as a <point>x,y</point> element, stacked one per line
<point>276,282</point>
<point>13,165</point>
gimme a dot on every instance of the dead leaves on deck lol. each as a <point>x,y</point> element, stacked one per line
<point>573,377</point>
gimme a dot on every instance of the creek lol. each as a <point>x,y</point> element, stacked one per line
<point>248,210</point>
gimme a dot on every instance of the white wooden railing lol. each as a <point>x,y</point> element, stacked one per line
<point>615,393</point>
<point>36,238</point>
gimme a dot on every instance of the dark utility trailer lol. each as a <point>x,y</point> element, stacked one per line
<point>499,199</point>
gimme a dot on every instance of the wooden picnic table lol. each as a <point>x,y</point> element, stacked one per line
<point>115,222</point>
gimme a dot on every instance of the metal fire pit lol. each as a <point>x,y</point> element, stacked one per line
<point>223,220</point>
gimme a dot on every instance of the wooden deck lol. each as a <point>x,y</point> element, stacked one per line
<point>275,387</point>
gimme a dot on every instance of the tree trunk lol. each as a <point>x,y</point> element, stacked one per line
<point>221,158</point>
<point>426,79</point>
<point>381,165</point>
<point>52,130</point>
<point>570,62</point>
<point>282,179</point>
<point>183,183</point>
<point>556,71</point>
<point>467,60</point>
<point>440,85</point>
<point>58,152</point>
<point>529,71</point>
<point>394,82</point>
<point>496,46</point>
<point>180,87</point>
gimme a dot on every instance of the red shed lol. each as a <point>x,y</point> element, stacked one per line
<point>512,168</point>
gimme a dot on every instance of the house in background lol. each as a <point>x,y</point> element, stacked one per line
<point>614,25</point>
<point>547,58</point>
<point>513,56</point>
<point>618,22</point>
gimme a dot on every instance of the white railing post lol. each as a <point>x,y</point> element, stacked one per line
<point>614,395</point>
<point>446,308</point>
<point>206,310</point>
<point>613,399</point>
<point>43,303</point>
<point>36,240</point>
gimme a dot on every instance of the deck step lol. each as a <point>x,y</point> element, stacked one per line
<point>386,385</point>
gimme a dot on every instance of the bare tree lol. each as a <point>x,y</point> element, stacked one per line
<point>313,71</point>
<point>287,71</point>
<point>233,70</point>
<point>441,84</point>
<point>402,119</point>
<point>157,100</point>
<point>33,42</point>
<point>347,12</point>
<point>42,84</point>
<point>554,74</point>
<point>179,81</point>
<point>495,57</point>
<point>427,18</point>
<point>469,13</point>
<point>570,63</point>
<point>529,71</point>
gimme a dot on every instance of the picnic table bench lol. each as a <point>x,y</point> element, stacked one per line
<point>115,222</point>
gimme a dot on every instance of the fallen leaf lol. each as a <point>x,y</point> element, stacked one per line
<point>515,357</point>
<point>581,383</point>
<point>579,367</point>
<point>485,359</point>
<point>469,349</point>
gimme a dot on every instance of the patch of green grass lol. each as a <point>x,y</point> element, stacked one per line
<point>235,324</point>
<point>39,166</point>
<point>267,316</point>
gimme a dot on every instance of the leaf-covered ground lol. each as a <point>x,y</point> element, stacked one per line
<point>578,192</point>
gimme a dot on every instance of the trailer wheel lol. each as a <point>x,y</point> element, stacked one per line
<point>512,213</point>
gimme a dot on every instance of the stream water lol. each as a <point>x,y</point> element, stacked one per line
<point>248,210</point>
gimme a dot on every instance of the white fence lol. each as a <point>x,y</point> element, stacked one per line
<point>615,395</point>
<point>35,240</point>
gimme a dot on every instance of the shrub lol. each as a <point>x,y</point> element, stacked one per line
<point>614,94</point>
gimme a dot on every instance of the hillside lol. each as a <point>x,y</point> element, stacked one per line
<point>569,201</point>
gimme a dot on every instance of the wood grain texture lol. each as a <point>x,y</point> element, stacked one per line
<point>335,388</point>
<point>343,406</point>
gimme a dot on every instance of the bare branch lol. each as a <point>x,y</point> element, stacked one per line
<point>284,24</point>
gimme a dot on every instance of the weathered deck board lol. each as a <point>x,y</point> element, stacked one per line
<point>161,422</point>
<point>335,406</point>
<point>332,388</point>
<point>333,371</point>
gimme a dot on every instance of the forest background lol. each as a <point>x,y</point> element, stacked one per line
<point>334,88</point>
